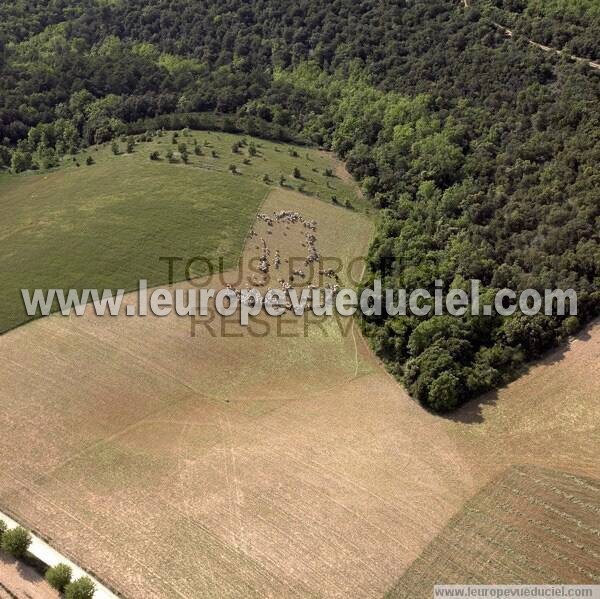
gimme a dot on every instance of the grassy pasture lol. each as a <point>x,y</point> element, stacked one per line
<point>106,225</point>
<point>531,524</point>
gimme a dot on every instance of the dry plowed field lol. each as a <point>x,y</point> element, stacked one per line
<point>531,524</point>
<point>259,466</point>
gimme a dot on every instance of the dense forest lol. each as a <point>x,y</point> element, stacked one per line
<point>572,25</point>
<point>480,152</point>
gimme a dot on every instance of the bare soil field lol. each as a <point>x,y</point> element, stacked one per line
<point>285,464</point>
<point>532,524</point>
<point>549,417</point>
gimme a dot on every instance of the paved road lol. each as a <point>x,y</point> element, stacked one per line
<point>51,557</point>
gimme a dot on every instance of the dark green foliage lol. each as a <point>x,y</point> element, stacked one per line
<point>183,152</point>
<point>20,161</point>
<point>16,541</point>
<point>5,157</point>
<point>155,155</point>
<point>59,576</point>
<point>82,588</point>
<point>569,24</point>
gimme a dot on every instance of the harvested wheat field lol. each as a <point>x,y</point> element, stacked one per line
<point>285,464</point>
<point>530,524</point>
<point>549,417</point>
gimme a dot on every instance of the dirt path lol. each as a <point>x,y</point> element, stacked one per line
<point>341,172</point>
<point>509,33</point>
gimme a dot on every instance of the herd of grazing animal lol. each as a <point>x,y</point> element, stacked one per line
<point>271,260</point>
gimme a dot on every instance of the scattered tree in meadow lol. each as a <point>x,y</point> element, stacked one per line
<point>183,152</point>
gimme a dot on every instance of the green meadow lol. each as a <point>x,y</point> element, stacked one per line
<point>106,225</point>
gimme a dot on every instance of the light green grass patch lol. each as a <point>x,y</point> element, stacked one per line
<point>107,225</point>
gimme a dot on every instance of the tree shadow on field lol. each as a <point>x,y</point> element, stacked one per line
<point>25,570</point>
<point>472,411</point>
